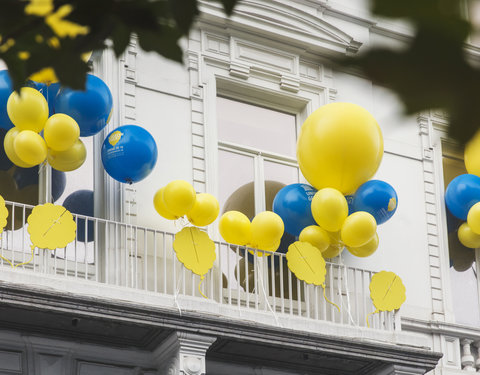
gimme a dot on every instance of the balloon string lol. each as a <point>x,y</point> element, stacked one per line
<point>326,299</point>
<point>199,287</point>
<point>32,247</point>
<point>6,260</point>
<point>368,316</point>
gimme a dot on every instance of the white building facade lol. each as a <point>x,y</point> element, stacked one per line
<point>121,303</point>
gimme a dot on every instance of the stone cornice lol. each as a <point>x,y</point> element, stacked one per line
<point>107,310</point>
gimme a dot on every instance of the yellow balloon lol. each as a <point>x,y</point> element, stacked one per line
<point>473,218</point>
<point>46,75</point>
<point>30,147</point>
<point>340,146</point>
<point>205,210</point>
<point>69,159</point>
<point>159,205</point>
<point>29,110</point>
<point>61,132</point>
<point>333,251</point>
<point>235,228</point>
<point>467,237</point>
<point>472,155</point>
<point>358,229</point>
<point>329,209</point>
<point>366,250</point>
<point>179,197</point>
<point>316,236</point>
<point>267,228</point>
<point>10,150</point>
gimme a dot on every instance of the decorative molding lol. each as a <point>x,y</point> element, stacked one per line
<point>400,370</point>
<point>290,83</point>
<point>431,208</point>
<point>183,354</point>
<point>239,70</point>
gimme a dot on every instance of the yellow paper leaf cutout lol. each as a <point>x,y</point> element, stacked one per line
<point>387,291</point>
<point>195,250</point>
<point>39,7</point>
<point>3,214</point>
<point>51,226</point>
<point>306,262</point>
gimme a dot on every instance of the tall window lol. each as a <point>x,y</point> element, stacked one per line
<point>256,155</point>
<point>463,265</point>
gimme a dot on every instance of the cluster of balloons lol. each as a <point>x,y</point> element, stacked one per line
<point>340,148</point>
<point>129,153</point>
<point>62,114</point>
<point>264,232</point>
<point>462,196</point>
<point>178,198</point>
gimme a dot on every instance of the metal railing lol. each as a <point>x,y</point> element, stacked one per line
<point>135,257</point>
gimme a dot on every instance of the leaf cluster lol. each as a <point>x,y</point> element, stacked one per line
<point>433,71</point>
<point>28,44</point>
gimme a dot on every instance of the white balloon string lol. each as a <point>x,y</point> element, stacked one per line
<point>175,296</point>
<point>347,291</point>
<point>265,294</point>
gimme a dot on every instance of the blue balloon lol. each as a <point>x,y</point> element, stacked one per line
<point>90,108</point>
<point>461,194</point>
<point>293,204</point>
<point>81,202</point>
<point>377,198</point>
<point>24,177</point>
<point>6,89</point>
<point>129,153</point>
<point>349,199</point>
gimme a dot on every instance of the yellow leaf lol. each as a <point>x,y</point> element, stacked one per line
<point>51,226</point>
<point>195,250</point>
<point>64,28</point>
<point>387,291</point>
<point>306,262</point>
<point>39,7</point>
<point>3,214</point>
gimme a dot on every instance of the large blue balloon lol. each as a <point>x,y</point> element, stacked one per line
<point>90,108</point>
<point>461,194</point>
<point>24,177</point>
<point>377,198</point>
<point>129,153</point>
<point>81,202</point>
<point>5,90</point>
<point>293,204</point>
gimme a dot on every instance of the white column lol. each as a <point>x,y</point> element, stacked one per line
<point>183,354</point>
<point>477,362</point>
<point>467,359</point>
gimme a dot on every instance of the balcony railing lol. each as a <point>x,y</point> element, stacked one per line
<point>134,257</point>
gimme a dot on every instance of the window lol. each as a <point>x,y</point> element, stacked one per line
<point>463,265</point>
<point>256,155</point>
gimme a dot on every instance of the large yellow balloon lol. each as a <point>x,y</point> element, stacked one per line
<point>30,147</point>
<point>179,197</point>
<point>29,110</point>
<point>473,218</point>
<point>472,155</point>
<point>61,132</point>
<point>329,209</point>
<point>235,228</point>
<point>159,205</point>
<point>366,250</point>
<point>358,229</point>
<point>316,236</point>
<point>10,150</point>
<point>467,237</point>
<point>340,146</point>
<point>204,211</point>
<point>267,229</point>
<point>70,159</point>
<point>336,245</point>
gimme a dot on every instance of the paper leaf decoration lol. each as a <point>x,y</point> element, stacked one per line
<point>3,214</point>
<point>51,226</point>
<point>387,291</point>
<point>195,250</point>
<point>306,262</point>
